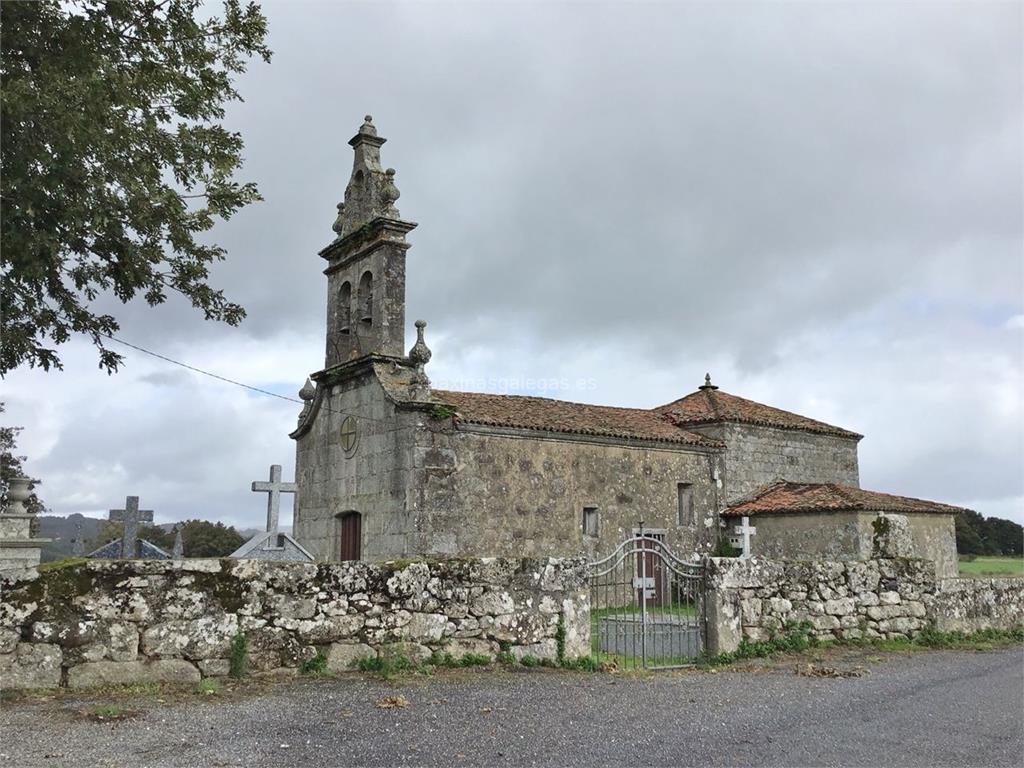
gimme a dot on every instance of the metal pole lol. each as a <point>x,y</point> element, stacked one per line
<point>643,597</point>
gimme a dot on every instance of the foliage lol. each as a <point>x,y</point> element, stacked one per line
<point>441,412</point>
<point>203,538</point>
<point>724,549</point>
<point>114,160</point>
<point>10,466</point>
<point>208,686</point>
<point>529,660</point>
<point>560,640</point>
<point>978,535</point>
<point>238,660</point>
<point>314,666</point>
<point>794,637</point>
<point>386,664</point>
<point>582,663</point>
<point>200,538</point>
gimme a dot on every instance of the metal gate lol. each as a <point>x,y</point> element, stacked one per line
<point>646,606</point>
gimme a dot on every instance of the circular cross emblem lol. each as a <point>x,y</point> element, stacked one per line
<point>349,436</point>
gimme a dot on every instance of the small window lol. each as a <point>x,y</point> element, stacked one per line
<point>591,522</point>
<point>687,514</point>
<point>280,541</point>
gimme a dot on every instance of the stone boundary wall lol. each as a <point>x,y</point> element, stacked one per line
<point>972,604</point>
<point>884,598</point>
<point>110,622</point>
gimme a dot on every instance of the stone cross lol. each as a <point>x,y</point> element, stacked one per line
<point>746,530</point>
<point>179,546</point>
<point>274,488</point>
<point>78,543</point>
<point>131,516</point>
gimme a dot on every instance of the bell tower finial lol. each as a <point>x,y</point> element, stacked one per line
<point>366,260</point>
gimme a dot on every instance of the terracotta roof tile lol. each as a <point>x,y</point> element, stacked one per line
<point>525,412</point>
<point>711,405</point>
<point>783,497</point>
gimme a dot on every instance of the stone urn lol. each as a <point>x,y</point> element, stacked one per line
<point>17,494</point>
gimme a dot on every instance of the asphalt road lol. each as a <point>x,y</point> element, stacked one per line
<point>922,709</point>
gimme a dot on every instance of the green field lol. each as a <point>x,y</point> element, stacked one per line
<point>992,566</point>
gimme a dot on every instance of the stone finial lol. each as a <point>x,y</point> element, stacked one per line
<point>368,128</point>
<point>17,494</point>
<point>707,382</point>
<point>389,194</point>
<point>339,223</point>
<point>419,356</point>
<point>365,198</point>
<point>308,391</point>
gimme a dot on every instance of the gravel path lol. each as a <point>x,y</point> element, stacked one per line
<point>922,709</point>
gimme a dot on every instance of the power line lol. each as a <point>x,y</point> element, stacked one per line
<point>205,373</point>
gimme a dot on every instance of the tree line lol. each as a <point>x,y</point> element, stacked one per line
<point>979,535</point>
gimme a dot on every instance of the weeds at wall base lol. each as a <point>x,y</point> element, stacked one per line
<point>796,638</point>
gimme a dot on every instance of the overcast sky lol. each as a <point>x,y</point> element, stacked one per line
<point>821,204</point>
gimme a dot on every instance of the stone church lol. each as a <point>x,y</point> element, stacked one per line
<point>387,466</point>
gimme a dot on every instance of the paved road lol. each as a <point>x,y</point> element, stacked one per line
<point>924,709</point>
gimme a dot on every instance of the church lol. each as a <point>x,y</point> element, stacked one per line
<point>388,466</point>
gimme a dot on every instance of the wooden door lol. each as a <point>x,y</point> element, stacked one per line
<point>653,568</point>
<point>350,546</point>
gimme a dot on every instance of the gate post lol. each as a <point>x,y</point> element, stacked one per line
<point>722,608</point>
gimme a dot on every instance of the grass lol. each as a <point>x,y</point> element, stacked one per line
<point>984,565</point>
<point>239,659</point>
<point>209,686</point>
<point>314,666</point>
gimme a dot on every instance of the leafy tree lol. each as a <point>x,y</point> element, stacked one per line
<point>113,160</point>
<point>10,466</point>
<point>202,538</point>
<point>978,535</point>
<point>969,528</point>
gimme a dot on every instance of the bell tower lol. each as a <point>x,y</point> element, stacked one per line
<point>366,262</point>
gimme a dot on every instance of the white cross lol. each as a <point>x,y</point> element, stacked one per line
<point>746,530</point>
<point>275,488</point>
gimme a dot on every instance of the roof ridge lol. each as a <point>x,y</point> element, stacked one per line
<point>649,411</point>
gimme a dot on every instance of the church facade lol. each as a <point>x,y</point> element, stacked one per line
<point>388,466</point>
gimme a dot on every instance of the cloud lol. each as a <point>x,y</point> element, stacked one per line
<point>820,204</point>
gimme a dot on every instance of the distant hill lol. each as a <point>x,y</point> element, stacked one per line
<point>62,531</point>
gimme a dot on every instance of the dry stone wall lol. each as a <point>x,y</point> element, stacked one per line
<point>883,598</point>
<point>108,622</point>
<point>969,605</point>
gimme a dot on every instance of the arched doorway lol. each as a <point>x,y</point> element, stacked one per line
<point>350,536</point>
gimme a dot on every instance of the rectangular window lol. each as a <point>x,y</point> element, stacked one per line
<point>590,521</point>
<point>687,513</point>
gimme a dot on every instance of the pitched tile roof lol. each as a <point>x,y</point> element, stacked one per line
<point>525,412</point>
<point>709,405</point>
<point>784,496</point>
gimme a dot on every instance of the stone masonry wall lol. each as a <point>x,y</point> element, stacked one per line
<point>372,481</point>
<point>110,622</point>
<point>483,492</point>
<point>756,456</point>
<point>968,605</point>
<point>885,598</point>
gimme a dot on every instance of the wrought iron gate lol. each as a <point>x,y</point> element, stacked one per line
<point>646,606</point>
